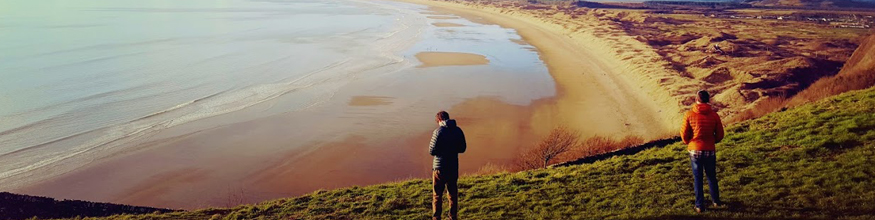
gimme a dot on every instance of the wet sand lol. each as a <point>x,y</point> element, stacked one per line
<point>493,133</point>
<point>442,17</point>
<point>435,13</point>
<point>433,59</point>
<point>519,41</point>
<point>226,171</point>
<point>447,24</point>
<point>590,98</point>
<point>370,100</point>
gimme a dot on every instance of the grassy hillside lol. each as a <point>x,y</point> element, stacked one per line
<point>811,162</point>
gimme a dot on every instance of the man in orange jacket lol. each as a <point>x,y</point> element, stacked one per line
<point>701,130</point>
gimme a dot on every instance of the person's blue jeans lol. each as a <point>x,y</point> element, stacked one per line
<point>706,163</point>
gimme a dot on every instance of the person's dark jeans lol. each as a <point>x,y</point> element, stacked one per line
<point>448,179</point>
<point>708,163</point>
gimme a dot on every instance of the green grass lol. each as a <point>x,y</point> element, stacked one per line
<point>811,162</point>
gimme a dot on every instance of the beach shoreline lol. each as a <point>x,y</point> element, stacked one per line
<point>631,90</point>
<point>595,94</point>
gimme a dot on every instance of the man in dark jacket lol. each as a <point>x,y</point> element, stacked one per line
<point>447,142</point>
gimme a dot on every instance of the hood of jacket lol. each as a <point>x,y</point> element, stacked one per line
<point>702,109</point>
<point>449,123</point>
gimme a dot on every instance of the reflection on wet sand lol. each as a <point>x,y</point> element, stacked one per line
<point>433,59</point>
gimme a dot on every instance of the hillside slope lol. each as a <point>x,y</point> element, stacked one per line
<point>14,206</point>
<point>862,60</point>
<point>857,73</point>
<point>811,162</point>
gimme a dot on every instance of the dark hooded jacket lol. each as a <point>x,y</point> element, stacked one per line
<point>447,142</point>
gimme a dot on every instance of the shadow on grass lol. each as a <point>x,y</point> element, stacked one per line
<point>739,209</point>
<point>703,216</point>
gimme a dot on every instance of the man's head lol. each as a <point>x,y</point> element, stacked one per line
<point>703,97</point>
<point>442,116</point>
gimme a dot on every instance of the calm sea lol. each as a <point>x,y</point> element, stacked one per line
<point>79,79</point>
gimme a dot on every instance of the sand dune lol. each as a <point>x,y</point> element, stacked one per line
<point>745,63</point>
<point>857,73</point>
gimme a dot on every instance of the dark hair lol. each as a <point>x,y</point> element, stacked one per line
<point>442,115</point>
<point>703,96</point>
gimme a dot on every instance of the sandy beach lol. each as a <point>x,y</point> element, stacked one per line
<point>596,94</point>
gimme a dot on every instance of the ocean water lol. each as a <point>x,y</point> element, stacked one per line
<point>82,75</point>
<point>81,80</point>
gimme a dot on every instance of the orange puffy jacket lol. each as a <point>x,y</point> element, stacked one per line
<point>702,128</point>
